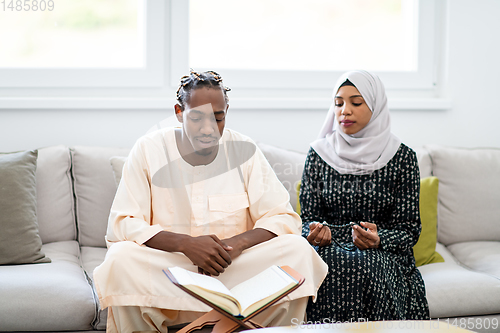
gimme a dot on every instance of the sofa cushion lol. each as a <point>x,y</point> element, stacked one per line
<point>55,208</point>
<point>20,242</point>
<point>424,162</point>
<point>91,258</point>
<point>479,256</point>
<point>445,253</point>
<point>117,163</point>
<point>425,249</point>
<point>453,291</point>
<point>468,208</point>
<point>288,166</point>
<point>47,297</point>
<point>95,189</point>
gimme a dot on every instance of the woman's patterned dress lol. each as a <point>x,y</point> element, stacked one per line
<point>373,284</point>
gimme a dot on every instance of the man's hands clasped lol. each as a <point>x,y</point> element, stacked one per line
<point>210,254</point>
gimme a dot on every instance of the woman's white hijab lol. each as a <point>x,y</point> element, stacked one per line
<point>373,146</point>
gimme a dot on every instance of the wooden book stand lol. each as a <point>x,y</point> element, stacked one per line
<point>223,321</point>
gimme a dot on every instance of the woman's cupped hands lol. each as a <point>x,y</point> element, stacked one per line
<point>364,235</point>
<point>319,234</point>
<point>365,238</point>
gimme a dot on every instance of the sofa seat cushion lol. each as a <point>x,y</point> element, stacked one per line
<point>95,190</point>
<point>445,253</point>
<point>468,206</point>
<point>453,290</point>
<point>47,297</point>
<point>479,256</point>
<point>91,258</point>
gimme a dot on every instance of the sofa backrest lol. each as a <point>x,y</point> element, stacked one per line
<point>55,203</point>
<point>424,161</point>
<point>94,188</point>
<point>79,185</point>
<point>288,166</point>
<point>469,195</point>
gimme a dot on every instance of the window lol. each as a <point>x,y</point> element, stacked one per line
<point>297,35</point>
<point>277,53</point>
<point>295,41</point>
<point>74,34</point>
<point>92,43</point>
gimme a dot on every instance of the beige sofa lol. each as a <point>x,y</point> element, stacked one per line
<point>76,186</point>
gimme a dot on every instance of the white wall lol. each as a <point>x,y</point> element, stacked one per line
<point>473,69</point>
<point>472,73</point>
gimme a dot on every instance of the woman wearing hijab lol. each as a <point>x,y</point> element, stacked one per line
<point>360,208</point>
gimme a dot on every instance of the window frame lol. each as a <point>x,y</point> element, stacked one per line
<point>154,86</point>
<point>423,78</point>
<point>150,23</point>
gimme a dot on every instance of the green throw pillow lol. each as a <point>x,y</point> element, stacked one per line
<point>425,249</point>
<point>298,199</point>
<point>19,239</point>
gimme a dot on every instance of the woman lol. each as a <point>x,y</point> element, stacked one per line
<point>358,171</point>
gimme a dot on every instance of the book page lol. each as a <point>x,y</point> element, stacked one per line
<point>271,282</point>
<point>187,278</point>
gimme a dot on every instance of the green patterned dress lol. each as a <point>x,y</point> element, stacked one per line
<point>373,284</point>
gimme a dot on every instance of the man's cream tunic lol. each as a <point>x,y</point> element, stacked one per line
<point>236,192</point>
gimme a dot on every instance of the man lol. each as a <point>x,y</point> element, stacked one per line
<point>205,199</point>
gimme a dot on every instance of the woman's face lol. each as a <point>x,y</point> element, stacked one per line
<point>351,111</point>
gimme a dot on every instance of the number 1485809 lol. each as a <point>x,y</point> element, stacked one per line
<point>27,5</point>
